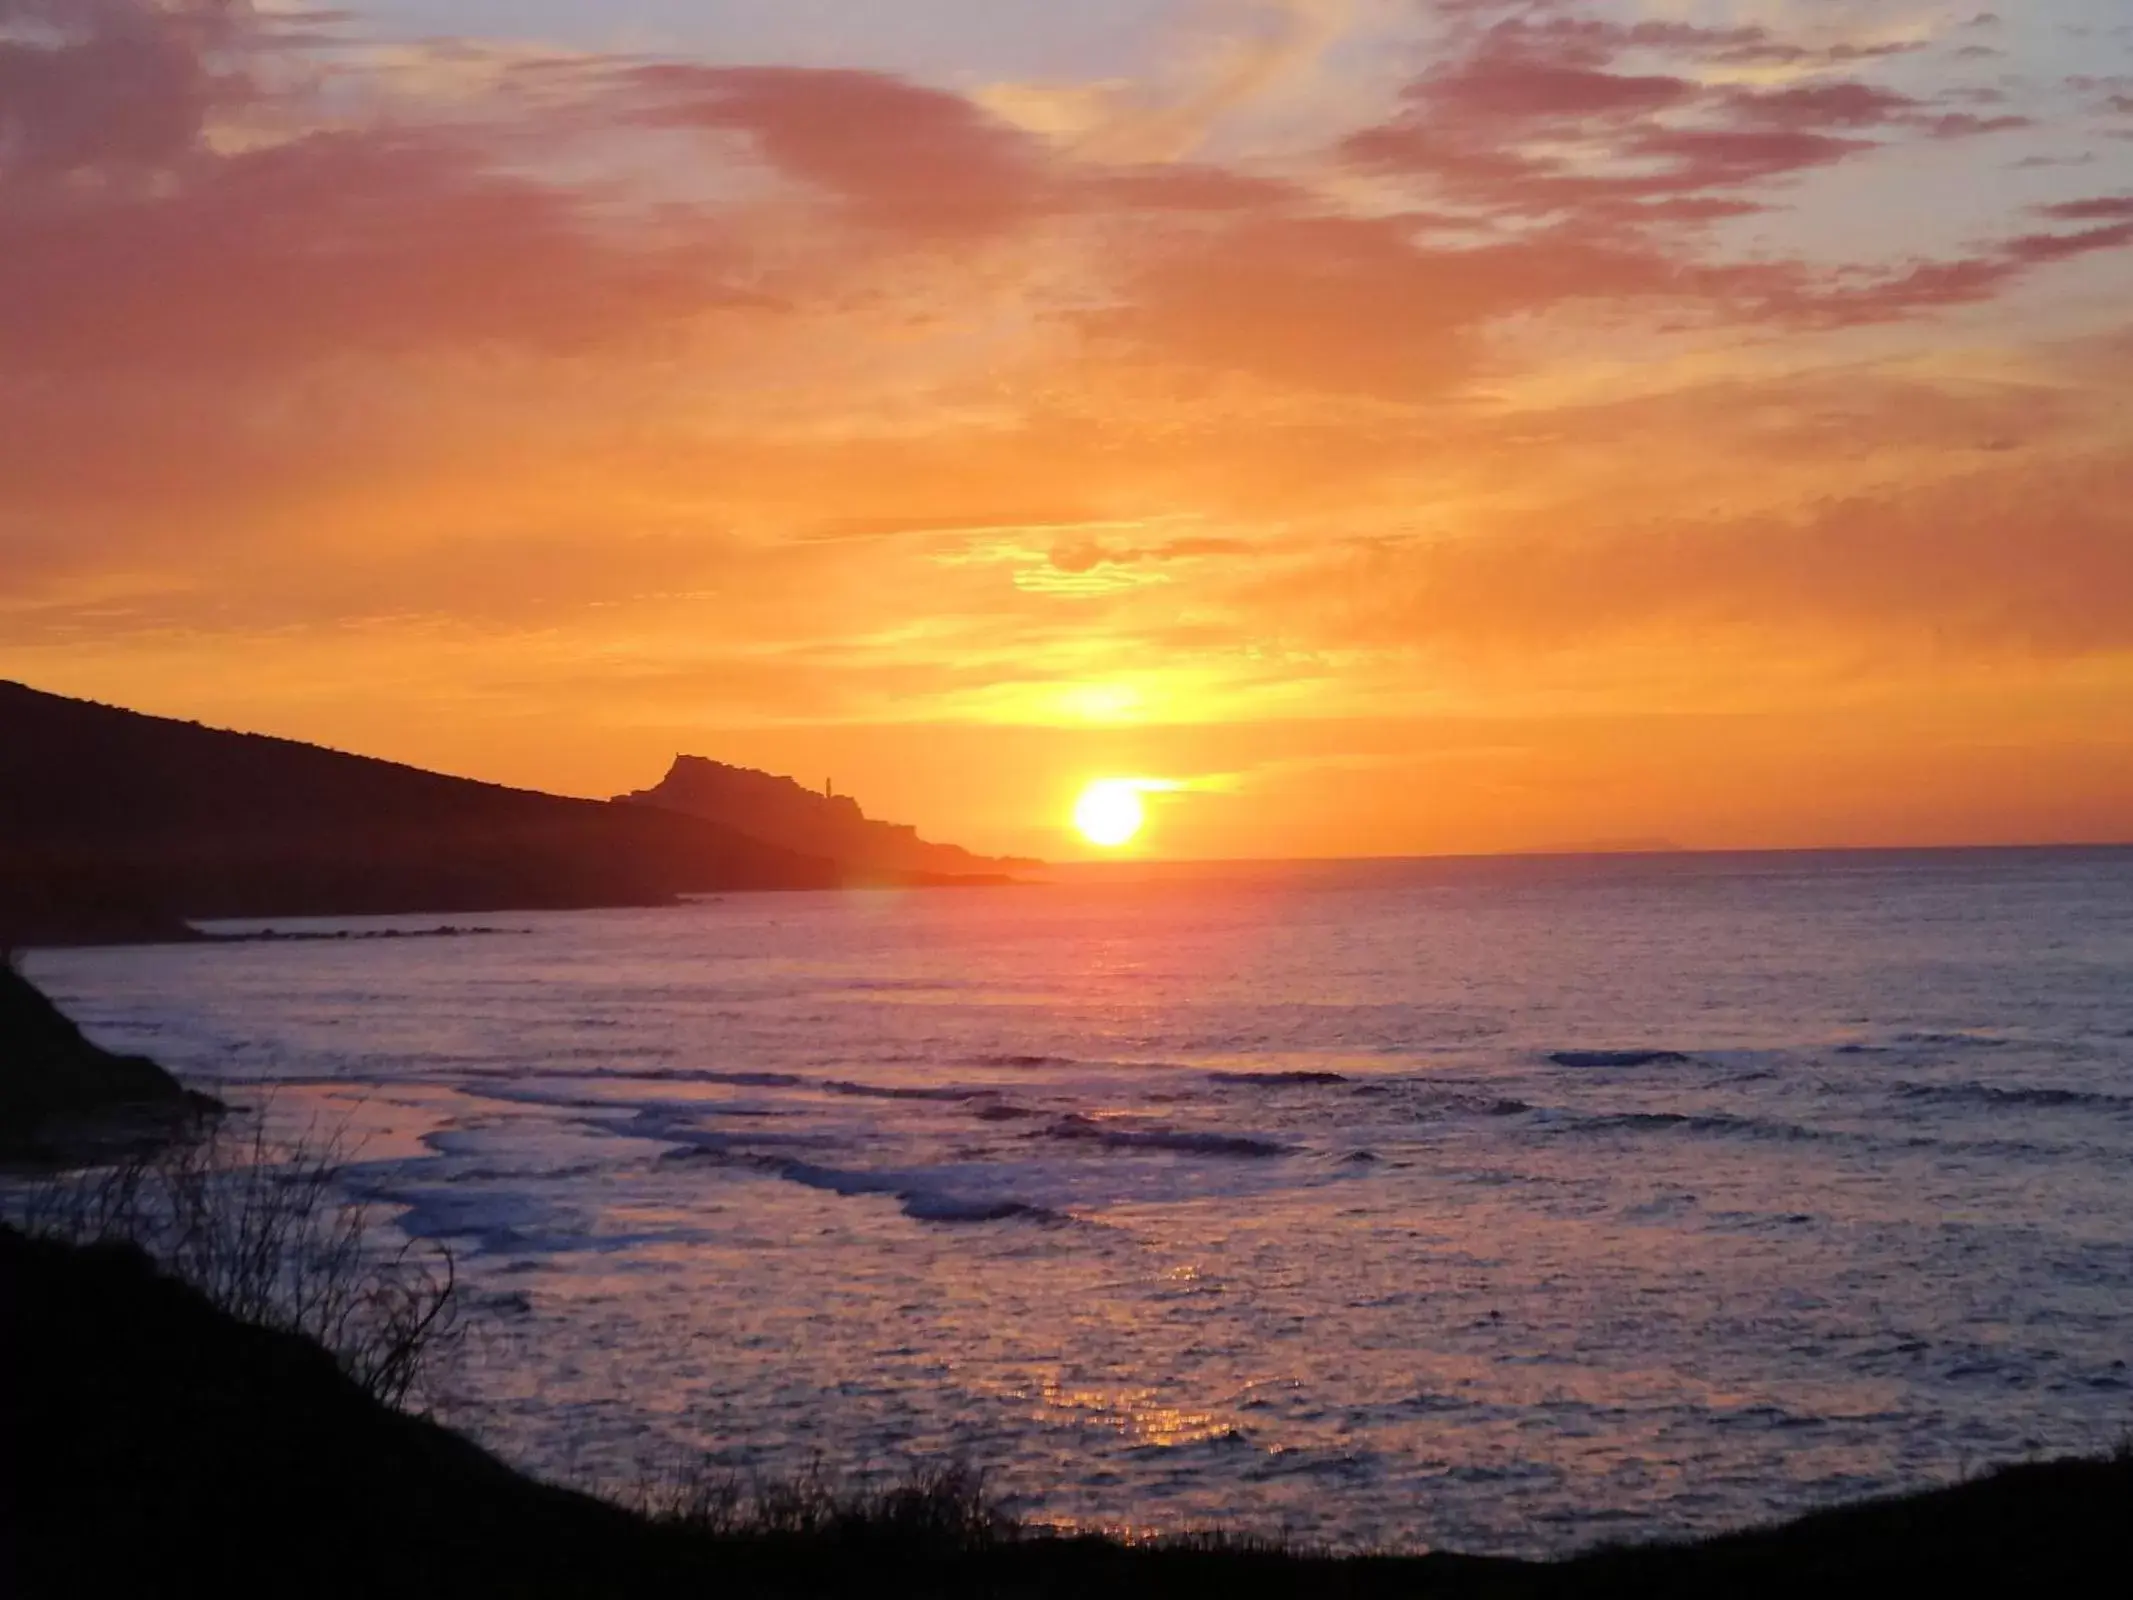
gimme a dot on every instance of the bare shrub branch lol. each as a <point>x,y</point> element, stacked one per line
<point>267,1232</point>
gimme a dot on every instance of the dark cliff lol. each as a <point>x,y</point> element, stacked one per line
<point>816,823</point>
<point>60,1093</point>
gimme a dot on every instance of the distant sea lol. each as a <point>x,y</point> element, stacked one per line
<point>1504,1206</point>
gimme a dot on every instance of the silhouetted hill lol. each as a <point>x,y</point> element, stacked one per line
<point>116,825</point>
<point>784,812</point>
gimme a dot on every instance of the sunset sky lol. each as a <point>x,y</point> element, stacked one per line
<point>1404,425</point>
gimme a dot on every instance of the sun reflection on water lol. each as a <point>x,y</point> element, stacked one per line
<point>1138,1414</point>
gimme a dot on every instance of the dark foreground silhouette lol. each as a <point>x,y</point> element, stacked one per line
<point>118,827</point>
<point>155,1445</point>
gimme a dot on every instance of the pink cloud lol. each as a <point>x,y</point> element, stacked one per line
<point>372,242</point>
<point>2105,208</point>
<point>1479,125</point>
<point>1968,125</point>
<point>901,156</point>
<point>116,84</point>
<point>1368,306</point>
<point>1512,86</point>
<point>1848,104</point>
<point>1723,158</point>
<point>2038,247</point>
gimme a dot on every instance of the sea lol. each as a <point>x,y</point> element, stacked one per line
<point>1506,1206</point>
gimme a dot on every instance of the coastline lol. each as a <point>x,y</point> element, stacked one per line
<point>145,927</point>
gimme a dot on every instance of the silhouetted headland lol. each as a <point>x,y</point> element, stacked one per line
<point>814,822</point>
<point>120,827</point>
<point>62,1097</point>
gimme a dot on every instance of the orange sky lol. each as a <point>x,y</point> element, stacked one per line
<point>1408,426</point>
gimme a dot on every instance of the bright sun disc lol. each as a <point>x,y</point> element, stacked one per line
<point>1109,812</point>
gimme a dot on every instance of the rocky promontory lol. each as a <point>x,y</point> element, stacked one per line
<point>785,812</point>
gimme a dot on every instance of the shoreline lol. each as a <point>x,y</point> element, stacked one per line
<point>154,928</point>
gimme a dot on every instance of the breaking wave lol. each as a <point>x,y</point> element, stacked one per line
<point>1618,1058</point>
<point>1992,1094</point>
<point>1077,1127</point>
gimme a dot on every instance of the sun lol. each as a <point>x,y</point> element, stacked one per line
<point>1109,812</point>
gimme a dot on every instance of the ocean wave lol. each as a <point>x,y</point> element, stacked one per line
<point>920,1200</point>
<point>1185,1142</point>
<point>1277,1080</point>
<point>1023,1061</point>
<point>875,1091</point>
<point>652,1123</point>
<point>1992,1094</point>
<point>514,1070</point>
<point>1715,1122</point>
<point>1480,1105</point>
<point>738,1080</point>
<point>1618,1058</point>
<point>1617,1121</point>
<point>924,1206</point>
<point>1426,1100</point>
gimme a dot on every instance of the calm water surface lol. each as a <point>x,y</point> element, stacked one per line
<point>1330,1199</point>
